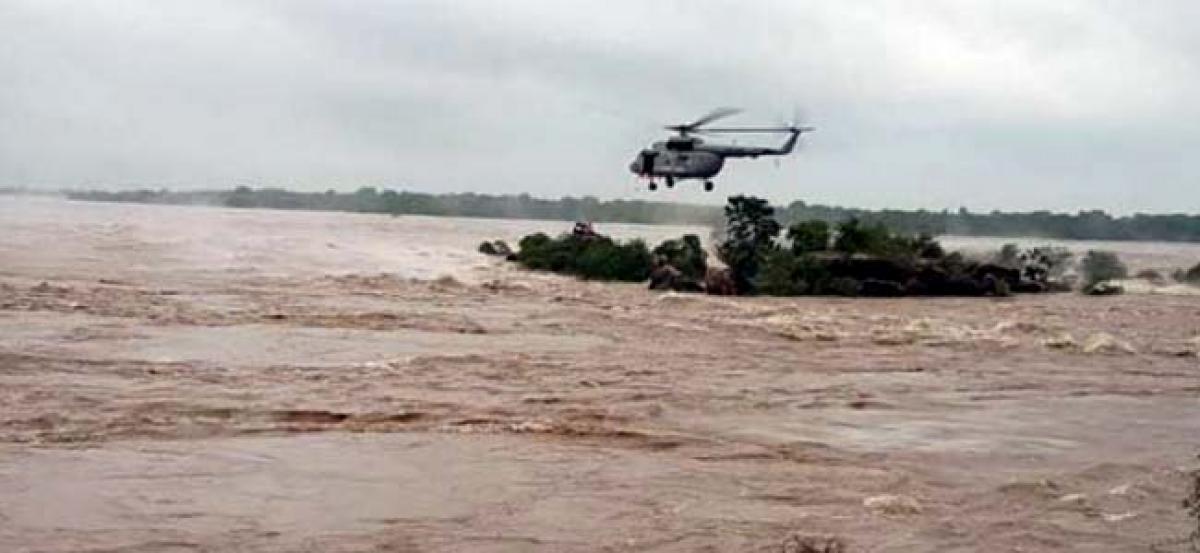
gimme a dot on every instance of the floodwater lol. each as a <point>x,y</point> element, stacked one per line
<point>202,379</point>
<point>1164,257</point>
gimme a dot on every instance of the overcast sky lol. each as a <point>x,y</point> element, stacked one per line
<point>1019,104</point>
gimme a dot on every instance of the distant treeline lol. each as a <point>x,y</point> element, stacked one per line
<point>1085,225</point>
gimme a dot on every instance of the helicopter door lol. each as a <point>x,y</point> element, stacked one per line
<point>648,161</point>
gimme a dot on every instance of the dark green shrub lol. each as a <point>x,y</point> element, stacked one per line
<point>604,259</point>
<point>495,247</point>
<point>540,252</point>
<point>750,233</point>
<point>597,257</point>
<point>854,236</point>
<point>786,274</point>
<point>925,247</point>
<point>857,237</point>
<point>1008,256</point>
<point>809,236</point>
<point>776,277</point>
<point>1098,266</point>
<point>1044,263</point>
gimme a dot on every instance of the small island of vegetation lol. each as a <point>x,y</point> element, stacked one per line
<point>850,258</point>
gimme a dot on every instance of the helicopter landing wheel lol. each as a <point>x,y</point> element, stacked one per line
<point>708,186</point>
<point>653,186</point>
<point>670,182</point>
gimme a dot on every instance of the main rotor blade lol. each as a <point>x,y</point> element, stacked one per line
<point>713,115</point>
<point>760,129</point>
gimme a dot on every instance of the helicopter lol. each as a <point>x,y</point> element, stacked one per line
<point>684,156</point>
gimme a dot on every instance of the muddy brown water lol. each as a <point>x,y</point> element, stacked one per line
<point>200,379</point>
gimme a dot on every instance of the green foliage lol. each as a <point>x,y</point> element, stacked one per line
<point>785,273</point>
<point>924,245</point>
<point>1098,266</point>
<point>604,259</point>
<point>885,264</point>
<point>539,251</point>
<point>685,254</point>
<point>809,236</point>
<point>856,237</point>
<point>1008,256</point>
<point>750,232</point>
<point>875,261</point>
<point>1044,263</point>
<point>596,257</point>
<point>495,247</point>
<point>751,221</point>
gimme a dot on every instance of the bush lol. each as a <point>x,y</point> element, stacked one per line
<point>540,252</point>
<point>856,237</point>
<point>597,257</point>
<point>607,260</point>
<point>1045,263</point>
<point>786,274</point>
<point>495,247</point>
<point>869,260</point>
<point>1098,266</point>
<point>1008,256</point>
<point>750,233</point>
<point>926,247</point>
<point>809,236</point>
<point>685,254</point>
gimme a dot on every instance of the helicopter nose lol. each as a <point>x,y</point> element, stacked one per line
<point>643,164</point>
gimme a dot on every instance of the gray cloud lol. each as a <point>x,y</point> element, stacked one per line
<point>1014,105</point>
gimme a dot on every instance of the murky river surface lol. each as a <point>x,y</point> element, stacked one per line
<point>201,379</point>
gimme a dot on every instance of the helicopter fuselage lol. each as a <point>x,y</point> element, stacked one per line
<point>687,157</point>
<point>661,161</point>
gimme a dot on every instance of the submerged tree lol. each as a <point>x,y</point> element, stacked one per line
<point>809,236</point>
<point>786,273</point>
<point>1008,256</point>
<point>1044,263</point>
<point>750,233</point>
<point>1098,266</point>
<point>597,257</point>
<point>855,236</point>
